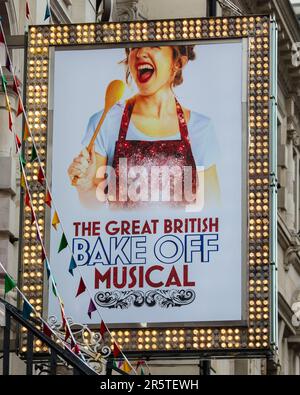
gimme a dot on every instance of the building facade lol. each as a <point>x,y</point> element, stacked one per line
<point>72,11</point>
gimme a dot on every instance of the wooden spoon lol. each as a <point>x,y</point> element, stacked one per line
<point>114,93</point>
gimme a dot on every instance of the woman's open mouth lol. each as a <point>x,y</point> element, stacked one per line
<point>144,72</point>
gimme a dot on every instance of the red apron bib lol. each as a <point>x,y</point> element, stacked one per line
<point>174,154</point>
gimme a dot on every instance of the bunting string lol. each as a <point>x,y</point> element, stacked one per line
<point>50,202</point>
<point>28,308</point>
<point>28,203</point>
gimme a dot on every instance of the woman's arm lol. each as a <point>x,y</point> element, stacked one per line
<point>84,167</point>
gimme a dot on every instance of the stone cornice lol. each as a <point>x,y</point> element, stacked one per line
<point>286,313</point>
<point>290,244</point>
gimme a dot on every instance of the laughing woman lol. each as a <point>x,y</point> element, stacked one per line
<point>151,129</point>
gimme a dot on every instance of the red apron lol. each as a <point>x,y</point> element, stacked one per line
<point>159,153</point>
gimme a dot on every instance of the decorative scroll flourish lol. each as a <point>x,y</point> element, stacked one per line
<point>120,299</point>
<point>162,298</point>
<point>170,298</point>
<point>91,343</point>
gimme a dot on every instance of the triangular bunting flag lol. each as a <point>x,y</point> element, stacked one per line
<point>72,344</point>
<point>116,350</point>
<point>46,330</point>
<point>47,12</point>
<point>27,10</point>
<point>103,328</point>
<point>1,38</point>
<point>142,372</point>
<point>16,85</point>
<point>7,63</point>
<point>115,364</point>
<point>41,177</point>
<point>22,182</point>
<point>20,108</point>
<point>33,154</point>
<point>27,199</point>
<point>72,266</point>
<point>4,82</point>
<point>10,122</point>
<point>54,288</point>
<point>18,143</point>
<point>27,310</point>
<point>68,334</point>
<point>47,269</point>
<point>81,287</point>
<point>92,308</point>
<point>9,284</point>
<point>43,256</point>
<point>126,367</point>
<point>26,132</point>
<point>63,243</point>
<point>48,199</point>
<point>55,220</point>
<point>76,349</point>
<point>22,160</point>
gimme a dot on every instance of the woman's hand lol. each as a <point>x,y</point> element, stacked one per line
<point>83,170</point>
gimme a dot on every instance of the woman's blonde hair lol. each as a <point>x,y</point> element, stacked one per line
<point>178,52</point>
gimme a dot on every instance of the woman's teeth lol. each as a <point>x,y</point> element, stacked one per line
<point>145,72</point>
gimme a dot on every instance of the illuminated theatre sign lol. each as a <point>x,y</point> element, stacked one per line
<point>157,141</point>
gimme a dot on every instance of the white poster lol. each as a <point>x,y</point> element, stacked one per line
<point>148,183</point>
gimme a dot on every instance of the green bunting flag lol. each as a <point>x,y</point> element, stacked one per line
<point>63,243</point>
<point>9,284</point>
<point>142,372</point>
<point>22,160</point>
<point>54,288</point>
<point>33,154</point>
<point>4,82</point>
<point>27,310</point>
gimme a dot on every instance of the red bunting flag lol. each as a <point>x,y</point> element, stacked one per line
<point>46,330</point>
<point>16,85</point>
<point>72,344</point>
<point>103,328</point>
<point>116,351</point>
<point>10,122</point>
<point>68,334</point>
<point>27,10</point>
<point>48,199</point>
<point>81,287</point>
<point>1,38</point>
<point>20,108</point>
<point>41,177</point>
<point>92,308</point>
<point>27,199</point>
<point>76,349</point>
<point>18,143</point>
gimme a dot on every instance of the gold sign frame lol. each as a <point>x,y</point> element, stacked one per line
<point>258,336</point>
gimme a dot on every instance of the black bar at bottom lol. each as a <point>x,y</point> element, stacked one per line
<point>6,343</point>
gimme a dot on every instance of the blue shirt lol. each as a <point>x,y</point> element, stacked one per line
<point>201,133</point>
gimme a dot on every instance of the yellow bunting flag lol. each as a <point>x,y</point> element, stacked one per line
<point>126,367</point>
<point>55,220</point>
<point>23,183</point>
